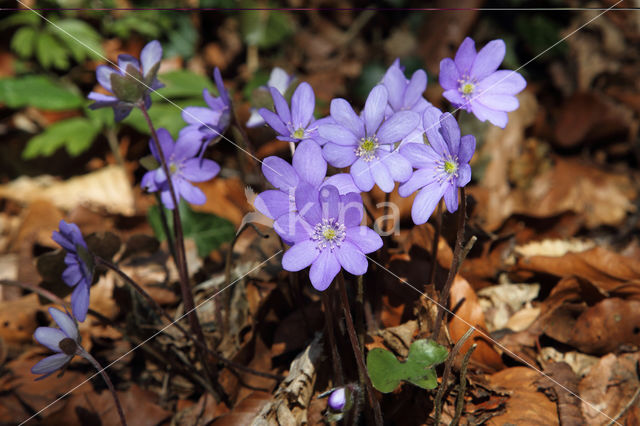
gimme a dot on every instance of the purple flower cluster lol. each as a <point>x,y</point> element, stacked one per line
<point>184,167</point>
<point>471,82</point>
<point>131,83</point>
<point>79,271</point>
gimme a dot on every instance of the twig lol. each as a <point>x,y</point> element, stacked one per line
<point>86,355</point>
<point>455,262</point>
<point>445,376</point>
<point>463,385</point>
<point>357,351</point>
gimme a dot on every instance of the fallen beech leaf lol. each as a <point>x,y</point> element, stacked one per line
<point>108,189</point>
<point>244,411</point>
<point>525,406</point>
<point>500,302</point>
<point>471,312</point>
<point>225,198</point>
<point>580,363</point>
<point>607,326</point>
<point>568,404</point>
<point>18,319</point>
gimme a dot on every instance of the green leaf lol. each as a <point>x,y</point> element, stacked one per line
<point>37,91</point>
<point>75,134</point>
<point>23,41</point>
<point>50,52</point>
<point>207,230</point>
<point>20,18</point>
<point>80,38</point>
<point>182,38</point>
<point>265,28</point>
<point>183,83</point>
<point>386,372</point>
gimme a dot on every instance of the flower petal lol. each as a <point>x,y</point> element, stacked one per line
<point>344,115</point>
<point>166,144</point>
<point>467,148</point>
<point>200,115</point>
<point>450,132</point>
<point>50,363</point>
<point>80,302</point>
<point>337,134</point>
<point>451,198</point>
<point>419,179</point>
<point>449,75</point>
<point>381,176</point>
<point>488,59</point>
<point>419,155</point>
<point>352,209</point>
<point>272,203</point>
<point>300,255</point>
<point>292,227</point>
<point>274,121</point>
<point>185,148</point>
<point>282,108</point>
<point>464,175</point>
<point>416,87</point>
<point>374,109</point>
<point>399,167</point>
<point>465,56</point>
<point>307,203</point>
<point>124,60</point>
<point>190,193</point>
<point>303,102</point>
<point>365,238</point>
<point>103,75</point>
<point>102,99</point>
<point>72,275</point>
<point>339,155</point>
<point>49,337</point>
<point>398,126</point>
<point>456,99</point>
<point>151,54</point>
<point>504,82</point>
<point>396,83</point>
<point>330,202</point>
<point>65,322</point>
<point>425,202</point>
<point>279,79</point>
<point>344,183</point>
<point>309,162</point>
<point>196,170</point>
<point>324,270</point>
<point>351,258</point>
<point>483,113</point>
<point>431,124</point>
<point>361,174</point>
<point>499,102</point>
<point>279,173</point>
<point>222,91</point>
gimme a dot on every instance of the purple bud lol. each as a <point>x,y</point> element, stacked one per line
<point>338,399</point>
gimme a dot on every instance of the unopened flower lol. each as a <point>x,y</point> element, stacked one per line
<point>337,399</point>
<point>65,341</point>
<point>279,80</point>
<point>309,167</point>
<point>442,165</point>
<point>405,95</point>
<point>366,142</point>
<point>131,83</point>
<point>294,124</point>
<point>207,123</point>
<point>184,167</point>
<point>79,271</point>
<point>471,82</point>
<point>325,233</point>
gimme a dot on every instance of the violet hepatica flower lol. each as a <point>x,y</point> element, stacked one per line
<point>405,95</point>
<point>308,168</point>
<point>65,341</point>
<point>207,123</point>
<point>471,82</point>
<point>79,271</point>
<point>279,80</point>
<point>130,83</point>
<point>184,167</point>
<point>294,124</point>
<point>442,165</point>
<point>366,142</point>
<point>325,233</point>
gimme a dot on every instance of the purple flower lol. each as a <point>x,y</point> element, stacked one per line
<point>279,80</point>
<point>405,95</point>
<point>471,82</point>
<point>325,233</point>
<point>131,82</point>
<point>442,165</point>
<point>294,124</point>
<point>184,167</point>
<point>308,167</point>
<point>337,399</point>
<point>79,271</point>
<point>366,142</point>
<point>205,124</point>
<point>65,341</point>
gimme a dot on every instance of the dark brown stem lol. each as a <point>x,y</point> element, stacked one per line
<point>181,261</point>
<point>447,371</point>
<point>360,310</point>
<point>357,351</point>
<point>385,211</point>
<point>328,320</point>
<point>457,259</point>
<point>434,244</point>
<point>86,355</point>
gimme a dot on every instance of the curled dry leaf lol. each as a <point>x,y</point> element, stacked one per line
<point>565,380</point>
<point>106,189</point>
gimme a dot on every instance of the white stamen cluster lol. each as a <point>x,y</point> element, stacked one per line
<point>466,86</point>
<point>328,233</point>
<point>368,148</point>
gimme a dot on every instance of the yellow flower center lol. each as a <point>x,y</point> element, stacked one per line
<point>468,88</point>
<point>367,148</point>
<point>450,167</point>
<point>173,168</point>
<point>298,134</point>
<point>329,234</point>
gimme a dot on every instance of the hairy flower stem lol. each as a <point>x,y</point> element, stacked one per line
<point>360,311</point>
<point>357,351</point>
<point>165,227</point>
<point>181,261</point>
<point>86,355</point>
<point>434,244</point>
<point>455,263</point>
<point>335,355</point>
